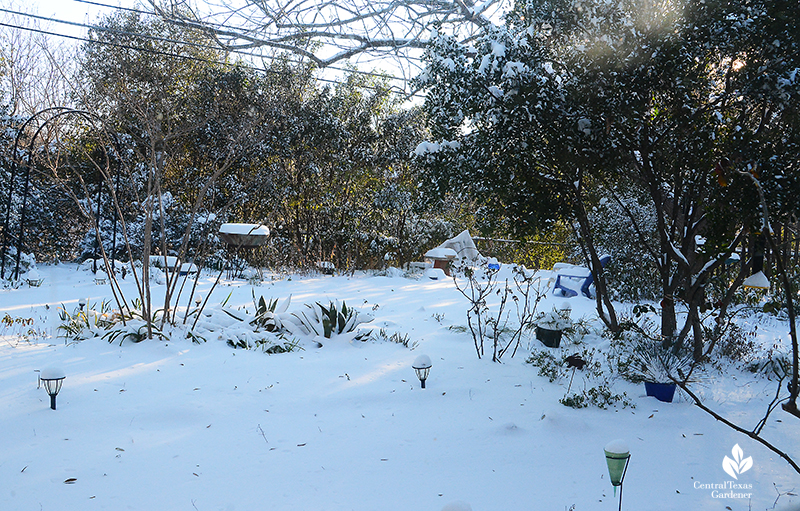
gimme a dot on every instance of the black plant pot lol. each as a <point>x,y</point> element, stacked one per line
<point>550,338</point>
<point>661,391</point>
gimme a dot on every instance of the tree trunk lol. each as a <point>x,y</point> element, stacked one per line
<point>605,309</point>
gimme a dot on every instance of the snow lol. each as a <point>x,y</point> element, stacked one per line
<point>52,373</point>
<point>461,245</point>
<point>252,229</point>
<point>441,253</point>
<point>449,64</point>
<point>757,280</point>
<point>617,446</point>
<point>422,362</point>
<point>159,260</point>
<point>178,425</point>
<point>424,148</point>
<point>435,274</point>
<point>498,49</point>
<point>514,69</point>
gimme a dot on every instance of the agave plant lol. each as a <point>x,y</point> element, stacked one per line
<point>335,319</point>
<point>268,314</point>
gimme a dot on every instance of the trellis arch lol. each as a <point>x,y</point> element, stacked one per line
<point>23,163</point>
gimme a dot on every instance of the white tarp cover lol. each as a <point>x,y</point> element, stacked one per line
<point>463,245</point>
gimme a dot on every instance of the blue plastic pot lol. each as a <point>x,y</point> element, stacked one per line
<point>661,391</point>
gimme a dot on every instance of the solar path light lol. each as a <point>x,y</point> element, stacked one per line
<point>52,378</point>
<point>422,366</point>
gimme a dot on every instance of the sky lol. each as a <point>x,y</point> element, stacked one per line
<point>58,17</point>
<point>76,11</point>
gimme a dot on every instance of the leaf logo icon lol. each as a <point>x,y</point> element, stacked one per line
<point>739,464</point>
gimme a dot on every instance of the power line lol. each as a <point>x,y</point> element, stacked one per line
<point>160,39</point>
<point>168,54</point>
<point>212,24</point>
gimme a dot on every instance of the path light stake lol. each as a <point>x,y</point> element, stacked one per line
<point>575,362</point>
<point>422,366</point>
<point>82,303</point>
<point>617,457</point>
<point>52,378</point>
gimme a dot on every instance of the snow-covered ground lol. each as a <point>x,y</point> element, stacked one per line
<point>181,426</point>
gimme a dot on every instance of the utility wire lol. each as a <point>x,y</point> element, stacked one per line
<point>160,39</point>
<point>211,24</point>
<point>175,55</point>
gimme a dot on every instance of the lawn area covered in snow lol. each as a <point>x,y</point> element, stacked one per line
<point>184,426</point>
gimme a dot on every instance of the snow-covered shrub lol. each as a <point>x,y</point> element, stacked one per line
<point>27,262</point>
<point>263,329</point>
<point>132,330</point>
<point>600,396</point>
<point>268,314</point>
<point>21,328</point>
<point>638,353</point>
<point>396,338</point>
<point>595,389</point>
<point>737,343</point>
<point>269,343</point>
<point>553,320</point>
<point>549,366</point>
<point>774,364</point>
<point>649,361</point>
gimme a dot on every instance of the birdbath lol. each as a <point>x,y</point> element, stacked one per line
<point>244,235</point>
<point>241,237</point>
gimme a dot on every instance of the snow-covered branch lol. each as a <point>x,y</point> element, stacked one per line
<point>327,32</point>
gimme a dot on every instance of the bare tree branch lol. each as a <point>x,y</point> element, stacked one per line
<point>752,434</point>
<point>327,32</point>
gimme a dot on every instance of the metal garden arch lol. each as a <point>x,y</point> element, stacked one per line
<point>52,114</point>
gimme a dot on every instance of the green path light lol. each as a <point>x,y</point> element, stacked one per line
<point>617,457</point>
